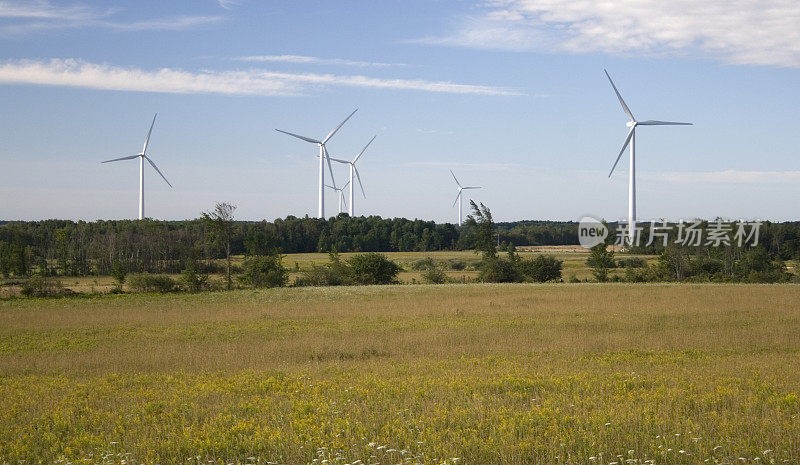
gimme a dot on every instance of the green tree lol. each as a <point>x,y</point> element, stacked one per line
<point>480,221</point>
<point>219,227</point>
<point>600,261</point>
<point>118,272</point>
<point>373,268</point>
<point>265,271</point>
<point>541,268</point>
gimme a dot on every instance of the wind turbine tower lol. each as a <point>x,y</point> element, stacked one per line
<point>323,157</point>
<point>460,196</point>
<point>631,140</point>
<point>354,170</point>
<point>142,157</point>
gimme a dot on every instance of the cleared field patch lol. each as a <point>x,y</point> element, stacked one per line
<point>677,374</point>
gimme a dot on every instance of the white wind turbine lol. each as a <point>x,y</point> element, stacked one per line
<point>323,157</point>
<point>340,193</point>
<point>460,197</point>
<point>631,139</point>
<point>354,170</point>
<point>142,157</point>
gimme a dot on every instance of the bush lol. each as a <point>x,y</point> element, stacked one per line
<point>334,273</point>
<point>423,264</point>
<point>456,264</point>
<point>541,268</point>
<point>434,275</point>
<point>193,281</point>
<point>118,272</point>
<point>372,268</point>
<point>499,270</point>
<point>264,271</point>
<point>38,286</point>
<point>600,261</point>
<point>632,262</point>
<point>146,282</point>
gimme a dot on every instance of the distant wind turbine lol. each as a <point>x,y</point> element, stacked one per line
<point>631,139</point>
<point>354,170</point>
<point>340,194</point>
<point>323,157</point>
<point>460,197</point>
<point>142,157</point>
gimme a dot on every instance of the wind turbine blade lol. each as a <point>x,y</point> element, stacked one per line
<point>158,170</point>
<point>147,141</point>
<point>337,160</point>
<point>330,168</point>
<point>472,187</point>
<point>331,187</point>
<point>454,178</point>
<point>344,198</point>
<point>345,185</point>
<point>624,146</point>
<point>307,139</point>
<point>663,123</point>
<point>123,158</point>
<point>456,200</point>
<point>624,105</point>
<point>339,126</point>
<point>358,176</point>
<point>365,148</point>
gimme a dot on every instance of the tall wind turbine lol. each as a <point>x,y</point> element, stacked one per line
<point>142,157</point>
<point>354,170</point>
<point>460,197</point>
<point>323,157</point>
<point>631,139</point>
<point>340,193</point>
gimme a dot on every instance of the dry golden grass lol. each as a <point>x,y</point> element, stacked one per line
<point>484,373</point>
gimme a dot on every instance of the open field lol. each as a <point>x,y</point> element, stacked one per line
<point>676,374</point>
<point>573,257</point>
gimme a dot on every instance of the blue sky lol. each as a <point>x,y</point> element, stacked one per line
<point>509,94</point>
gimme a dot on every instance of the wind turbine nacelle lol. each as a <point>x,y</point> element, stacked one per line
<point>630,124</point>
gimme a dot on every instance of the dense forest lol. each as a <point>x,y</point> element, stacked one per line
<point>94,248</point>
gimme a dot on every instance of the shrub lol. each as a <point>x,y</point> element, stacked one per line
<point>265,271</point>
<point>434,275</point>
<point>334,273</point>
<point>118,272</point>
<point>541,268</point>
<point>38,286</point>
<point>632,262</point>
<point>372,268</point>
<point>499,270</point>
<point>146,282</point>
<point>456,264</point>
<point>192,280</point>
<point>423,264</point>
<point>600,261</point>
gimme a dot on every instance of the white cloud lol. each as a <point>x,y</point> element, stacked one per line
<point>228,4</point>
<point>301,59</point>
<point>753,32</point>
<point>41,15</point>
<point>77,73</point>
<point>728,177</point>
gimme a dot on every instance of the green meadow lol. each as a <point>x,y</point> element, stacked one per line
<point>458,374</point>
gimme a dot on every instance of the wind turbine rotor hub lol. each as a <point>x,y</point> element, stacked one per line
<point>631,124</point>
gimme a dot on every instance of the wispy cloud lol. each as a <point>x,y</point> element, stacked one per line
<point>77,73</point>
<point>228,4</point>
<point>727,176</point>
<point>301,59</point>
<point>752,32</point>
<point>40,15</point>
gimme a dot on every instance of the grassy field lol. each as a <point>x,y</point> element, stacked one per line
<point>458,374</point>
